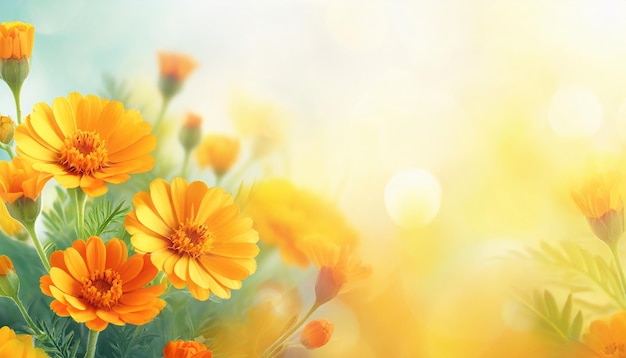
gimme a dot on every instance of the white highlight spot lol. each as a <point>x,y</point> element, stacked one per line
<point>575,112</point>
<point>412,198</point>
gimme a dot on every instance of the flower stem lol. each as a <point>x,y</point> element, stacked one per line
<point>27,318</point>
<point>30,227</point>
<point>16,95</point>
<point>166,102</point>
<point>275,348</point>
<point>91,344</point>
<point>618,264</point>
<point>79,200</point>
<point>183,172</point>
<point>7,149</point>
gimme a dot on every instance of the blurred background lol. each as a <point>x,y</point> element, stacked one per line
<point>449,133</point>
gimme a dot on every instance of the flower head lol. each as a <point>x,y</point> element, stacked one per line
<point>99,284</point>
<point>195,234</point>
<point>190,132</point>
<point>18,345</point>
<point>174,68</point>
<point>217,151</point>
<point>16,40</point>
<point>600,201</point>
<point>289,217</point>
<point>608,338</point>
<point>18,179</point>
<point>7,129</point>
<point>316,333</point>
<point>186,349</point>
<point>86,142</point>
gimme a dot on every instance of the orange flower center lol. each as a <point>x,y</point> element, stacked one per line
<point>84,153</point>
<point>102,289</point>
<point>192,239</point>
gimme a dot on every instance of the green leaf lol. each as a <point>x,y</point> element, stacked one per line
<point>102,216</point>
<point>557,320</point>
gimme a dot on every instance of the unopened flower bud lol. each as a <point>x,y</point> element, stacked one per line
<point>316,333</point>
<point>25,210</point>
<point>9,282</point>
<point>190,132</point>
<point>7,128</point>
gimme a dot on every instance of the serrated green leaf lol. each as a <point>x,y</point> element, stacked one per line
<point>577,326</point>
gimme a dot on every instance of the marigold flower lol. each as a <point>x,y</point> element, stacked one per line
<point>7,129</point>
<point>18,345</point>
<point>16,40</point>
<point>287,217</point>
<point>600,201</point>
<point>99,284</point>
<point>316,333</point>
<point>186,349</point>
<point>219,152</point>
<point>86,142</point>
<point>195,234</point>
<point>174,68</point>
<point>607,338</point>
<point>18,179</point>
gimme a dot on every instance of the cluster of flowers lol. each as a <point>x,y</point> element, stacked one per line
<point>183,235</point>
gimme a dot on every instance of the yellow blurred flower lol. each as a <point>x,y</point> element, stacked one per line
<point>86,142</point>
<point>607,338</point>
<point>7,129</point>
<point>217,151</point>
<point>16,40</point>
<point>8,224</point>
<point>316,333</point>
<point>18,180</point>
<point>195,234</point>
<point>290,217</point>
<point>264,122</point>
<point>186,349</point>
<point>600,201</point>
<point>99,284</point>
<point>18,345</point>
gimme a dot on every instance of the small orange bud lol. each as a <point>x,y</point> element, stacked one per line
<point>9,282</point>
<point>6,265</point>
<point>174,68</point>
<point>316,333</point>
<point>186,349</point>
<point>192,121</point>
<point>189,135</point>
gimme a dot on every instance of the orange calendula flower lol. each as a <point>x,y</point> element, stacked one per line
<point>186,349</point>
<point>217,151</point>
<point>175,68</point>
<point>287,217</point>
<point>600,201</point>
<point>99,284</point>
<point>195,234</point>
<point>18,345</point>
<point>16,40</point>
<point>86,142</point>
<point>6,265</point>
<point>316,333</point>
<point>607,338</point>
<point>18,179</point>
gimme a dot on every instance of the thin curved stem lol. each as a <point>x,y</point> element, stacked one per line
<point>7,149</point>
<point>164,105</point>
<point>618,264</point>
<point>25,314</point>
<point>30,227</point>
<point>275,348</point>
<point>92,341</point>
<point>16,95</point>
<point>183,171</point>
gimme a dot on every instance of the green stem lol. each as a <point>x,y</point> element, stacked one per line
<point>166,102</point>
<point>239,173</point>
<point>275,348</point>
<point>30,227</point>
<point>618,264</point>
<point>91,344</point>
<point>79,201</point>
<point>7,149</point>
<point>16,95</point>
<point>27,318</point>
<point>183,172</point>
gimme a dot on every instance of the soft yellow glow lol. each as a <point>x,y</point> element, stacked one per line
<point>412,198</point>
<point>575,112</point>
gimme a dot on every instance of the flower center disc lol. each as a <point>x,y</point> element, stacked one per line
<point>84,153</point>
<point>192,239</point>
<point>102,289</point>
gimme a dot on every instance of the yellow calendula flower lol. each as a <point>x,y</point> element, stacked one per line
<point>18,345</point>
<point>600,201</point>
<point>16,40</point>
<point>218,152</point>
<point>195,234</point>
<point>86,142</point>
<point>607,338</point>
<point>7,129</point>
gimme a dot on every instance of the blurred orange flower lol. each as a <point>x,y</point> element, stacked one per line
<point>288,217</point>
<point>600,201</point>
<point>178,66</point>
<point>217,151</point>
<point>18,179</point>
<point>98,284</point>
<point>6,265</point>
<point>186,349</point>
<point>16,40</point>
<point>86,142</point>
<point>316,333</point>
<point>18,345</point>
<point>608,338</point>
<point>195,234</point>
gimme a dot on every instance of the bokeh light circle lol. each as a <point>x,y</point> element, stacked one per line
<point>575,112</point>
<point>413,197</point>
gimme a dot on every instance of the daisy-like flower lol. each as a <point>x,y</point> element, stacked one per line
<point>607,338</point>
<point>195,234</point>
<point>217,151</point>
<point>16,40</point>
<point>99,284</point>
<point>86,142</point>
<point>600,201</point>
<point>18,345</point>
<point>186,349</point>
